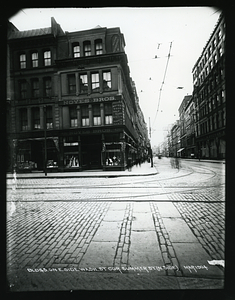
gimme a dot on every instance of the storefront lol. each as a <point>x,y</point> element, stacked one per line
<point>30,154</point>
<point>113,156</point>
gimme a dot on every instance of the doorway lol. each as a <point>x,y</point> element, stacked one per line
<point>91,147</point>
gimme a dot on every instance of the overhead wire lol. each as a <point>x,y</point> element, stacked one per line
<point>163,81</point>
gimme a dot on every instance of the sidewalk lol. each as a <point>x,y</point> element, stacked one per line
<point>218,161</point>
<point>133,246</point>
<point>143,170</point>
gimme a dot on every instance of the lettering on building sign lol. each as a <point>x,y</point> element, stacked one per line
<point>89,100</point>
<point>71,144</point>
<point>117,113</point>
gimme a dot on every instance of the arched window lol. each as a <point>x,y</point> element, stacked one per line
<point>23,61</point>
<point>76,50</point>
<point>47,58</point>
<point>34,59</point>
<point>87,48</point>
<point>98,47</point>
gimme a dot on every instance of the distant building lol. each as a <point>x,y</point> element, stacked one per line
<point>71,102</point>
<point>185,123</point>
<point>209,96</point>
<point>175,139</point>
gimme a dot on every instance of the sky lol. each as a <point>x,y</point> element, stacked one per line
<point>162,46</point>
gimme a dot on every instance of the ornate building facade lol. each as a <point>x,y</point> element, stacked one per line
<point>209,96</point>
<point>72,104</point>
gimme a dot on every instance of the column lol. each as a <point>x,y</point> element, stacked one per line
<point>119,78</point>
<point>77,81</point>
<point>59,85</point>
<point>90,115</point>
<point>29,117</point>
<point>102,113</point>
<point>92,47</point>
<point>41,117</point>
<point>79,115</point>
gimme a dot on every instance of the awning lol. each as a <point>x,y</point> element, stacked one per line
<point>180,150</point>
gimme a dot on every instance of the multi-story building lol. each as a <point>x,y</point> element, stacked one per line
<point>185,121</point>
<point>71,101</point>
<point>209,95</point>
<point>175,139</point>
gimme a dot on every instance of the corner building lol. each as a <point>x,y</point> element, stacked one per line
<point>71,100</point>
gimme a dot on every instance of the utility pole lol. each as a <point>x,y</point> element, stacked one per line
<point>150,149</point>
<point>45,139</point>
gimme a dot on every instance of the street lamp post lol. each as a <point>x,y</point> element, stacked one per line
<point>45,140</point>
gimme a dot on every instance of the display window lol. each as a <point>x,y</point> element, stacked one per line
<point>113,158</point>
<point>71,160</point>
<point>112,154</point>
<point>71,153</point>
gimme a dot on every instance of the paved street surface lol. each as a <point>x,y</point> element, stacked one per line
<point>151,228</point>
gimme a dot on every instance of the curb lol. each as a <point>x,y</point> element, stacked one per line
<point>83,176</point>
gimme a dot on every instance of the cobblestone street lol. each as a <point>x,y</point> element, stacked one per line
<point>164,230</point>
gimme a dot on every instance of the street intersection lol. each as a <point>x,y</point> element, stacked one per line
<point>151,228</point>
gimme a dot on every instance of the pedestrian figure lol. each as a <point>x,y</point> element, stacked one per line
<point>177,163</point>
<point>172,162</point>
<point>129,160</point>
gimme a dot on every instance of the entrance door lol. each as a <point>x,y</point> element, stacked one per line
<point>91,147</point>
<point>37,154</point>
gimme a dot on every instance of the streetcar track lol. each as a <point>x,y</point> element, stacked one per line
<point>136,182</point>
<point>131,196</point>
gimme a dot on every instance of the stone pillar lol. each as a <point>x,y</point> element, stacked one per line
<point>79,116</point>
<point>29,117</point>
<point>102,113</point>
<point>77,85</point>
<point>41,117</point>
<point>90,115</point>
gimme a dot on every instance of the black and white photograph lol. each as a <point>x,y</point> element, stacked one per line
<point>116,151</point>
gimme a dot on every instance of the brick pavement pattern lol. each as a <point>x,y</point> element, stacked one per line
<point>51,234</point>
<point>60,230</point>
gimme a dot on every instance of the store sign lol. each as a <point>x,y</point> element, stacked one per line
<point>71,144</point>
<point>90,100</point>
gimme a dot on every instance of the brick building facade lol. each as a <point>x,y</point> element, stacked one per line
<point>72,104</point>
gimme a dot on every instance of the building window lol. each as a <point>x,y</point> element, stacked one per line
<point>211,65</point>
<point>218,99</point>
<point>47,87</point>
<point>214,43</point>
<point>87,48</point>
<point>95,82</point>
<point>220,51</point>
<point>222,96</point>
<point>98,47</point>
<point>23,119</point>
<point>107,84</point>
<point>47,58</point>
<point>76,50</point>
<point>85,115</point>
<point>36,118</point>
<point>96,114</point>
<point>83,83</point>
<point>215,58</point>
<point>35,88</point>
<point>23,61</point>
<point>71,84</point>
<point>34,59</point>
<point>210,50</point>
<point>73,116</point>
<point>108,113</point>
<point>49,117</point>
<point>23,89</point>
